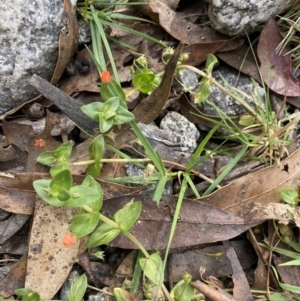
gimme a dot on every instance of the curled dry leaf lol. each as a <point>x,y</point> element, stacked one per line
<point>241,290</point>
<point>276,63</point>
<point>68,40</point>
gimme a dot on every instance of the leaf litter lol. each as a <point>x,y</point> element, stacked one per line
<point>223,215</point>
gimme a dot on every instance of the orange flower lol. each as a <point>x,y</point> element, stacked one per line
<point>39,143</point>
<point>105,77</point>
<point>68,240</point>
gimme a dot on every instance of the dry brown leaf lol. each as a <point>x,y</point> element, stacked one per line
<point>212,258</point>
<point>241,290</point>
<point>242,60</point>
<point>279,212</point>
<point>7,152</point>
<point>276,63</point>
<point>18,134</point>
<point>198,223</point>
<point>68,40</point>
<point>181,29</point>
<point>125,270</point>
<point>261,187</point>
<point>82,82</point>
<point>48,262</point>
<point>14,279</point>
<point>213,293</point>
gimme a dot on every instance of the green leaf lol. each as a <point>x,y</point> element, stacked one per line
<point>42,188</point>
<point>122,295</point>
<point>159,190</point>
<point>60,184</point>
<point>144,82</point>
<point>210,63</point>
<point>78,289</point>
<point>92,183</point>
<point>81,195</point>
<point>84,223</point>
<point>182,291</point>
<point>54,170</point>
<point>111,105</point>
<point>152,267</point>
<point>102,235</point>
<point>112,89</point>
<point>47,158</point>
<point>123,116</point>
<point>93,170</point>
<point>28,295</point>
<point>105,125</point>
<point>92,110</point>
<point>127,216</point>
<point>96,148</point>
<point>23,291</point>
<point>63,152</point>
<point>204,91</point>
<point>291,262</point>
<point>290,196</point>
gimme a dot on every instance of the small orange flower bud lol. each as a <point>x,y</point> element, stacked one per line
<point>68,240</point>
<point>39,143</point>
<point>105,77</point>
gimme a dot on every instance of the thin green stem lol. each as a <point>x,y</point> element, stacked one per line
<point>108,221</point>
<point>137,242</point>
<point>111,161</point>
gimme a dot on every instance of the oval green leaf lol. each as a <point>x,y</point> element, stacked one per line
<point>84,223</point>
<point>127,216</point>
<point>81,195</point>
<point>152,267</point>
<point>102,235</point>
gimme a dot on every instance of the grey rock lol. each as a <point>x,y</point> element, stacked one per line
<point>225,102</point>
<point>181,130</point>
<point>73,276</point>
<point>99,296</point>
<point>185,81</point>
<point>29,44</point>
<point>84,36</point>
<point>4,215</point>
<point>232,17</point>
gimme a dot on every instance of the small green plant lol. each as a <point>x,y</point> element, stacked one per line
<point>60,190</point>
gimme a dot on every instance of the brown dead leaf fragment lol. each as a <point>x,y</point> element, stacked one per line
<point>48,262</point>
<point>181,29</point>
<point>241,290</point>
<point>82,81</point>
<point>14,279</point>
<point>198,223</point>
<point>242,60</point>
<point>18,134</point>
<point>261,187</point>
<point>213,293</point>
<point>68,40</point>
<point>212,258</point>
<point>276,63</point>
